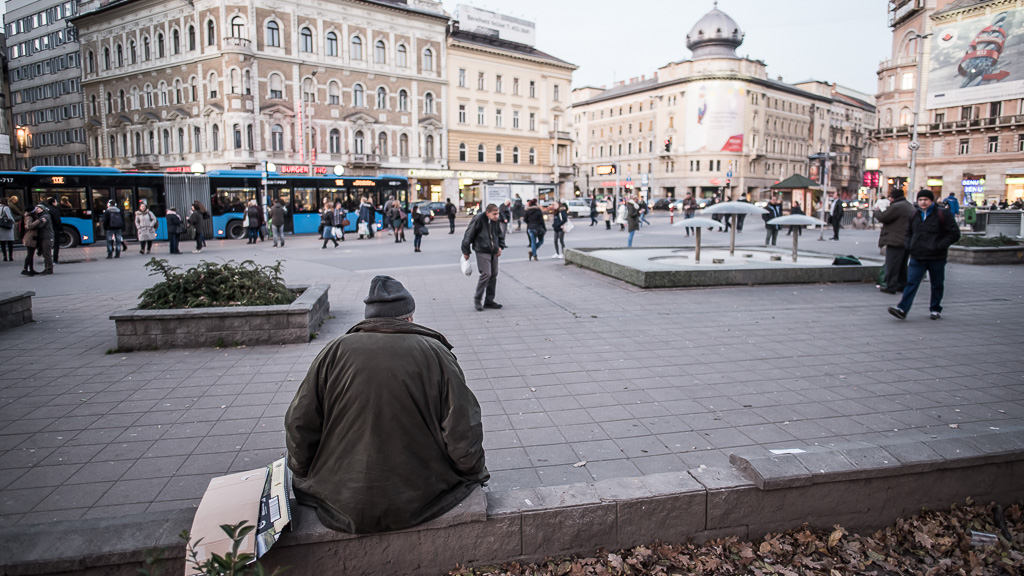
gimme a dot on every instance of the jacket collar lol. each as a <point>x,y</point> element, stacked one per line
<point>394,326</point>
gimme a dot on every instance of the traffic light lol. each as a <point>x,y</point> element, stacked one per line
<point>668,144</point>
<point>727,182</point>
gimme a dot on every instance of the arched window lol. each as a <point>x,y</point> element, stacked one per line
<point>332,44</point>
<point>276,84</point>
<point>175,42</point>
<point>515,155</point>
<point>403,145</point>
<point>428,60</point>
<point>211,33</point>
<point>234,81</point>
<point>403,56</point>
<point>122,103</point>
<point>236,131</point>
<point>334,141</point>
<point>273,34</point>
<point>358,142</point>
<point>498,154</point>
<point>533,156</point>
<point>160,45</point>
<point>357,96</point>
<point>181,140</point>
<point>113,146</point>
<point>247,82</point>
<point>382,144</point>
<point>403,101</point>
<point>166,142</point>
<point>905,117</point>
<point>163,93</point>
<point>90,62</point>
<point>120,56</point>
<point>212,84</point>
<point>277,138</point>
<point>357,48</point>
<point>333,94</point>
<point>237,27</point>
<point>305,40</point>
<point>191,37</point>
<point>110,103</point>
<point>380,53</point>
<point>152,144</point>
<point>382,98</point>
<point>106,58</point>
<point>480,153</point>
<point>429,152</point>
<point>133,54</point>
<point>428,103</point>
<point>197,138</point>
<point>215,137</point>
<point>462,152</point>
<point>145,47</point>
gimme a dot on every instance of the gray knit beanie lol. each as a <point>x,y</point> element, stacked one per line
<point>388,299</point>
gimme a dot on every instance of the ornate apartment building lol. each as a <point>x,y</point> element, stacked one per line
<point>964,59</point>
<point>508,114</point>
<point>232,83</point>
<point>715,125</point>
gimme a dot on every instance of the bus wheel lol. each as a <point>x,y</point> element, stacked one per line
<point>235,230</point>
<point>68,238</point>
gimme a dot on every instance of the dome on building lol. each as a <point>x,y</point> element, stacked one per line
<point>716,35</point>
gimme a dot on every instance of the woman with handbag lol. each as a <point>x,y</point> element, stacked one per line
<point>559,223</point>
<point>397,225</point>
<point>6,230</point>
<point>339,221</point>
<point>327,225</point>
<point>419,227</point>
<point>175,228</point>
<point>145,226</point>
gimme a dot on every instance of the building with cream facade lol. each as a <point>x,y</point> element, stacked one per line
<point>229,84</point>
<point>715,125</point>
<point>508,116</point>
<point>965,61</point>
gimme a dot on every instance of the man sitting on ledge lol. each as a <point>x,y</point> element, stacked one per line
<point>383,432</point>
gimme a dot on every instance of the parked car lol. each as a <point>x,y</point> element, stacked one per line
<point>434,209</point>
<point>662,204</point>
<point>578,208</point>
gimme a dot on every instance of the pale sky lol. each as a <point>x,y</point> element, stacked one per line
<point>831,40</point>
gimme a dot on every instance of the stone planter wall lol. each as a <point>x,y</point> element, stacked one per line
<point>985,255</point>
<point>202,327</point>
<point>15,309</point>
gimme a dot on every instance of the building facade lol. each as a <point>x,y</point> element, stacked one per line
<point>508,116</point>
<point>715,125</point>
<point>359,84</point>
<point>45,76</point>
<point>964,62</point>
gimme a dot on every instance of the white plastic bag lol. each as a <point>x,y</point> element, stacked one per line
<point>363,229</point>
<point>568,226</point>
<point>467,265</point>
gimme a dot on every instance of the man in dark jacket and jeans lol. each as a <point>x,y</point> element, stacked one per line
<point>376,453</point>
<point>931,232</point>
<point>484,236</point>
<point>895,219</point>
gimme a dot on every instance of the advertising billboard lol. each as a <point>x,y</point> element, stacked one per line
<point>493,24</point>
<point>977,60</point>
<point>714,117</point>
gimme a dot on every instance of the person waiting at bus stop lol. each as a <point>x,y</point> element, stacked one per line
<point>113,226</point>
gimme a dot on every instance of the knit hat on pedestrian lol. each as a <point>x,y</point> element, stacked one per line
<point>388,299</point>
<point>926,194</point>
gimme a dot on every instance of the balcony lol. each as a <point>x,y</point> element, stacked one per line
<point>146,162</point>
<point>897,62</point>
<point>236,46</point>
<point>560,135</point>
<point>900,10</point>
<point>363,161</point>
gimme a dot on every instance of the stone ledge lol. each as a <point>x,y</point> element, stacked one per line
<point>986,255</point>
<point>15,309</point>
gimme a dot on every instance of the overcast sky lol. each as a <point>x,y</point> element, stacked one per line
<point>833,40</point>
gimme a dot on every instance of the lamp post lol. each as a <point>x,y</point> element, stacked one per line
<point>914,144</point>
<point>308,97</point>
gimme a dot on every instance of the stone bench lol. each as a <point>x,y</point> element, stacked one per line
<point>15,309</point>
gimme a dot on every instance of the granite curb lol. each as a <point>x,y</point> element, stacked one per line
<point>15,309</point>
<point>858,485</point>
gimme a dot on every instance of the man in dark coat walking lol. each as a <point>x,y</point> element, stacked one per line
<point>893,237</point>
<point>835,212</point>
<point>484,236</point>
<point>451,211</point>
<point>375,453</point>
<point>931,232</point>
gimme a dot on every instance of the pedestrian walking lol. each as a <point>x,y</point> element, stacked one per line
<point>145,226</point>
<point>277,214</point>
<point>795,210</point>
<point>954,206</point>
<point>740,218</point>
<point>7,223</point>
<point>774,209</point>
<point>931,232</point>
<point>689,210</point>
<point>450,211</point>
<point>113,226</point>
<point>484,236</point>
<point>328,225</point>
<point>593,210</point>
<point>196,220</point>
<point>632,219</point>
<point>505,215</point>
<point>175,228</point>
<point>253,221</point>
<point>609,211</point>
<point>895,219</point>
<point>419,228</point>
<point>621,215</point>
<point>835,212</point>
<point>558,226</point>
<point>58,226</point>
<point>517,212</point>
<point>644,210</point>
<point>535,227</point>
<point>397,222</point>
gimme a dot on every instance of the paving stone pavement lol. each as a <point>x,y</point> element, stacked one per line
<point>576,367</point>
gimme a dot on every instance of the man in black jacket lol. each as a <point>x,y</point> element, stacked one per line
<point>58,227</point>
<point>484,236</point>
<point>450,210</point>
<point>836,215</point>
<point>931,232</point>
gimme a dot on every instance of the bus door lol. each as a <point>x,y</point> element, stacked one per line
<point>154,199</point>
<point>284,193</point>
<point>305,215</point>
<point>74,214</point>
<point>126,202</point>
<point>100,197</point>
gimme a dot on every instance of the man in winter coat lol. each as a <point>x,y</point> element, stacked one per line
<point>58,226</point>
<point>44,237</point>
<point>835,211</point>
<point>517,212</point>
<point>895,219</point>
<point>450,211</point>
<point>484,236</point>
<point>376,453</point>
<point>505,215</point>
<point>774,209</point>
<point>931,232</point>
<point>113,225</point>
<point>277,214</point>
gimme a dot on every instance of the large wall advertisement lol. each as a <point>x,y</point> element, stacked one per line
<point>977,60</point>
<point>506,27</point>
<point>714,117</point>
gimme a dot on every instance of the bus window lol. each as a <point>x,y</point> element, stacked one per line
<point>71,201</point>
<point>227,200</point>
<point>285,194</point>
<point>153,200</point>
<point>400,194</point>
<point>125,203</point>
<point>16,201</point>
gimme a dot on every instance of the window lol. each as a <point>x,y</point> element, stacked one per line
<point>462,77</point>
<point>305,40</point>
<point>334,141</point>
<point>382,98</point>
<point>498,118</point>
<point>966,113</point>
<point>236,130</point>
<point>462,113</point>
<point>515,119</point>
<point>110,103</point>
<point>196,139</point>
<point>480,115</point>
<point>276,86</point>
<point>498,83</point>
<point>167,142</point>
<point>277,138</point>
<point>462,152</point>
<point>175,42</point>
<point>248,136</point>
<point>191,37</point>
<point>965,147</point>
<point>380,52</point>
<point>533,156</point>
<point>995,109</point>
<point>358,142</point>
<point>160,45</point>
<point>533,121</point>
<point>403,56</point>
<point>333,94</point>
<point>382,144</point>
<point>498,154</point>
<point>237,30</point>
<point>403,101</point>
<point>556,93</point>
<point>940,117</point>
<point>212,82</point>
<point>132,53</point>
<point>1020,142</point>
<point>480,82</point>
<point>907,81</point>
<point>145,47</point>
<point>428,60</point>
<point>211,39</point>
<point>403,145</point>
<point>993,144</point>
<point>480,153</point>
<point>90,62</point>
<point>332,44</point>
<point>428,103</point>
<point>515,155</point>
<point>533,89</point>
<point>357,96</point>
<point>106,58</point>
<point>273,34</point>
<point>215,137</point>
<point>357,48</point>
<point>515,86</point>
<point>247,80</point>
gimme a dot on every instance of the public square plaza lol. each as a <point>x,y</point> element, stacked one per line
<point>577,367</point>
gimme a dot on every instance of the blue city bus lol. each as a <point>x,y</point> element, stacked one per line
<point>82,194</point>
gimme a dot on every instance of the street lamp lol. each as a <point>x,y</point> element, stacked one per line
<point>914,144</point>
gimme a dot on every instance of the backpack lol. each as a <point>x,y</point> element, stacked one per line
<point>116,221</point>
<point>846,261</point>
